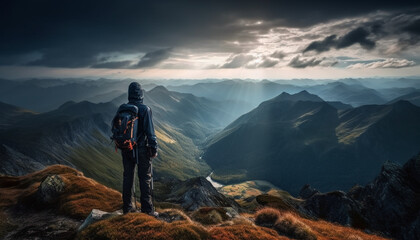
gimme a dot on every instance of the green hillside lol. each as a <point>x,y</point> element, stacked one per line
<point>293,142</point>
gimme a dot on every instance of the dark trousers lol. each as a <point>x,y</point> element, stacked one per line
<point>144,171</point>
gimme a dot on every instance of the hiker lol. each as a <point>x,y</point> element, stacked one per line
<point>141,152</point>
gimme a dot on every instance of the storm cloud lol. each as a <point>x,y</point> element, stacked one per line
<point>75,33</point>
<point>358,35</point>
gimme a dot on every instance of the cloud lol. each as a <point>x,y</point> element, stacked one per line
<point>264,62</point>
<point>113,65</point>
<point>151,59</point>
<point>358,35</point>
<point>322,46</point>
<point>267,63</point>
<point>278,55</point>
<point>298,62</point>
<point>386,63</point>
<point>237,61</point>
<point>74,33</point>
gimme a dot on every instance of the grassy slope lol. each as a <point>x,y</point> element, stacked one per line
<point>78,134</point>
<point>81,194</point>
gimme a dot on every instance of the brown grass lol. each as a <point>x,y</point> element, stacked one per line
<point>142,226</point>
<point>273,202</point>
<point>329,231</point>
<point>292,225</point>
<point>244,232</point>
<point>80,194</point>
<point>267,217</point>
<point>209,215</point>
<point>289,225</point>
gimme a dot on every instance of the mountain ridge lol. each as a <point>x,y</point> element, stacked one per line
<point>293,143</point>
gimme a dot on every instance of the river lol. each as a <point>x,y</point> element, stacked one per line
<point>214,183</point>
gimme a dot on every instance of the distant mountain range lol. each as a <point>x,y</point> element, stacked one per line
<point>292,140</point>
<point>47,121</point>
<point>348,91</point>
<point>77,134</point>
<point>49,94</point>
<point>413,97</point>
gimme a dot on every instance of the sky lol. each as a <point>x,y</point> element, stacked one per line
<point>168,39</point>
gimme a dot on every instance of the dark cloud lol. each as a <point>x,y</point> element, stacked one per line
<point>358,35</point>
<point>113,65</point>
<point>298,62</point>
<point>73,33</point>
<point>401,26</point>
<point>322,46</point>
<point>63,58</point>
<point>153,58</point>
<point>413,27</point>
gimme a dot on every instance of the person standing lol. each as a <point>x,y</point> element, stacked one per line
<point>144,151</point>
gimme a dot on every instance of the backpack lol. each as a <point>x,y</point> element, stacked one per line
<point>124,127</point>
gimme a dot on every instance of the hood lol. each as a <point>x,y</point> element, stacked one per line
<point>135,92</point>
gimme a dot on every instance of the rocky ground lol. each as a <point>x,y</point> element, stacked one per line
<point>60,203</point>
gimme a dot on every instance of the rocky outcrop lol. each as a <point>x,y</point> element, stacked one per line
<point>307,191</point>
<point>49,190</point>
<point>198,192</point>
<point>390,204</point>
<point>97,215</point>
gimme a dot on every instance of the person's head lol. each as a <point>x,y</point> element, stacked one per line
<point>135,92</point>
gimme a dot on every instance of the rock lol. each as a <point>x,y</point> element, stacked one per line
<point>50,189</point>
<point>198,192</point>
<point>97,215</point>
<point>390,204</point>
<point>333,206</point>
<point>171,215</point>
<point>231,212</point>
<point>307,191</point>
<point>42,225</point>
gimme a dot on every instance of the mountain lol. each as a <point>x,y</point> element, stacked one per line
<point>46,94</point>
<point>248,93</point>
<point>291,143</point>
<point>413,97</point>
<point>354,94</point>
<point>195,117</point>
<point>389,204</point>
<point>10,114</point>
<point>77,135</point>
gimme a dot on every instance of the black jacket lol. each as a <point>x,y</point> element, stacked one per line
<point>146,132</point>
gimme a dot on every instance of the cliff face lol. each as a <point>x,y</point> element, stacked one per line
<point>389,204</point>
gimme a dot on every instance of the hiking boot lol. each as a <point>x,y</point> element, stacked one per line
<point>153,214</point>
<point>132,210</point>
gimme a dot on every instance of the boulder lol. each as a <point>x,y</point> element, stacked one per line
<point>97,215</point>
<point>50,189</point>
<point>172,215</point>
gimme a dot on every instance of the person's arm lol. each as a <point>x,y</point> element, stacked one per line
<point>150,132</point>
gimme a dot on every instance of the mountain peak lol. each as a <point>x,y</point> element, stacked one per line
<point>159,88</point>
<point>300,96</point>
